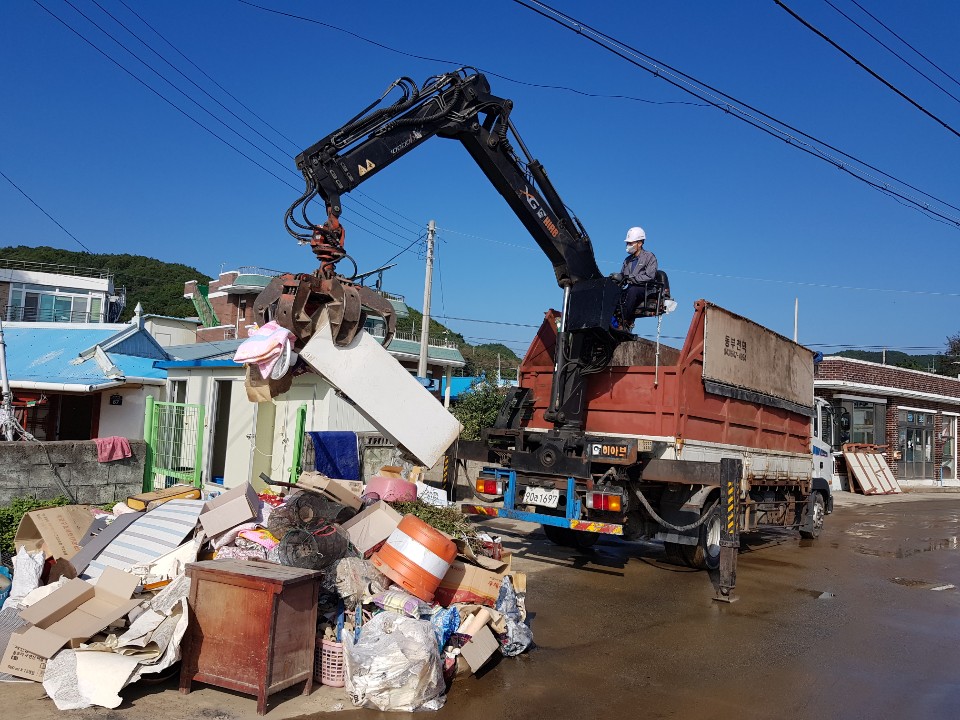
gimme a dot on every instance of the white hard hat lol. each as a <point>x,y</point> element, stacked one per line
<point>635,234</point>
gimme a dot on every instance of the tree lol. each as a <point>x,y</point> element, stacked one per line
<point>478,408</point>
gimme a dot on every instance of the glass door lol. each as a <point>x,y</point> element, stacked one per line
<point>948,466</point>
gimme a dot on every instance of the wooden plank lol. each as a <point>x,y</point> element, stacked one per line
<point>884,472</point>
<point>856,462</point>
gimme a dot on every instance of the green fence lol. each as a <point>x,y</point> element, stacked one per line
<point>174,437</point>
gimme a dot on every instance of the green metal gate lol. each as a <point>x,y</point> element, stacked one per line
<point>174,436</point>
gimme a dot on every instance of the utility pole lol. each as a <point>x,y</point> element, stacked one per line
<point>427,287</point>
<point>6,407</point>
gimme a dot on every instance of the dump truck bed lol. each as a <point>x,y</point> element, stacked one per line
<point>734,382</point>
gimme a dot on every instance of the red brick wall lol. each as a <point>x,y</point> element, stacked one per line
<point>887,376</point>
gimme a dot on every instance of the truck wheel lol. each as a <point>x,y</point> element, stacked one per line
<point>705,555</point>
<point>818,510</point>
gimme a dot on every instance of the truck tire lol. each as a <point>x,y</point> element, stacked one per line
<point>705,555</point>
<point>818,510</point>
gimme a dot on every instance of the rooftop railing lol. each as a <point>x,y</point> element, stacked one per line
<point>18,313</point>
<point>29,265</point>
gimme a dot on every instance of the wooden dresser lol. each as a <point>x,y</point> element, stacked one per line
<point>252,627</point>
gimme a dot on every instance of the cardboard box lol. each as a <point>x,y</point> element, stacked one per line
<point>226,511</point>
<point>335,490</point>
<point>480,648</point>
<point>57,531</point>
<point>70,615</point>
<point>466,583</point>
<point>432,495</point>
<point>174,492</point>
<point>371,527</point>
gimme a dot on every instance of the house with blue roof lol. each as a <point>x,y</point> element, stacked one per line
<point>78,381</point>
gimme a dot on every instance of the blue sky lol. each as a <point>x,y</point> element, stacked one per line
<point>734,215</point>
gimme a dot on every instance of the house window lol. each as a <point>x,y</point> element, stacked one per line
<point>41,303</point>
<point>948,465</point>
<point>916,445</point>
<point>862,423</point>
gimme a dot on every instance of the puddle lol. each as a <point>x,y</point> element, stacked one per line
<point>922,546</point>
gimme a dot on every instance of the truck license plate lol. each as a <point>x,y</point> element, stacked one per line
<point>548,497</point>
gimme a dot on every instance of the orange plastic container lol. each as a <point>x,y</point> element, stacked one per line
<point>416,557</point>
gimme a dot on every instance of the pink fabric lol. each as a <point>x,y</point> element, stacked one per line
<point>112,448</point>
<point>264,347</point>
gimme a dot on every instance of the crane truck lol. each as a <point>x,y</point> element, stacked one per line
<point>600,437</point>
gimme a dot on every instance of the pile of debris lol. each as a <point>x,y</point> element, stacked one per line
<point>404,601</point>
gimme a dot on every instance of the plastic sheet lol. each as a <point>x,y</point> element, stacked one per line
<point>395,665</point>
<point>350,578</point>
<point>27,568</point>
<point>518,636</point>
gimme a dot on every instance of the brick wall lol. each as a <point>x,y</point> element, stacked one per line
<point>895,379</point>
<point>887,376</point>
<point>29,469</point>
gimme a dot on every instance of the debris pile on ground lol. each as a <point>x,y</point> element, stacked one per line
<point>408,594</point>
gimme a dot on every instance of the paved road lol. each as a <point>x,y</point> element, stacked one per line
<point>858,624</point>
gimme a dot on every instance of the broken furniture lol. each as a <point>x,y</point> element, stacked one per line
<point>252,627</point>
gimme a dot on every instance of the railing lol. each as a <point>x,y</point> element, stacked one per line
<point>55,269</point>
<point>437,341</point>
<point>18,313</point>
<point>252,270</point>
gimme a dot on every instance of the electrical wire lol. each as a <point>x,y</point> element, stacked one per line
<point>37,205</point>
<point>730,105</point>
<point>898,37</point>
<point>869,71</point>
<point>893,52</point>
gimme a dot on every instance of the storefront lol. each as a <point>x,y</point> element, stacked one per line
<point>912,415</point>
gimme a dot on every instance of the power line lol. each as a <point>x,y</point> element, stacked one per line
<point>233,97</point>
<point>732,106</point>
<point>37,205</point>
<point>906,97</point>
<point>892,51</point>
<point>898,37</point>
<point>415,56</point>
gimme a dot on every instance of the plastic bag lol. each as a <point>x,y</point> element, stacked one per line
<point>394,665</point>
<point>445,622</point>
<point>518,636</point>
<point>27,569</point>
<point>351,578</point>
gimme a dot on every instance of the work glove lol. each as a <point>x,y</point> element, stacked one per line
<point>617,278</point>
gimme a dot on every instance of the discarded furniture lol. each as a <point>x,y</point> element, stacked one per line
<point>248,627</point>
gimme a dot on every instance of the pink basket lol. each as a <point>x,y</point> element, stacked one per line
<point>328,663</point>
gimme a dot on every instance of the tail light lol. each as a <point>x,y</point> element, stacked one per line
<point>611,502</point>
<point>489,487</point>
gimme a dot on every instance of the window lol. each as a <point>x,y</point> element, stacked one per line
<point>40,303</point>
<point>862,425</point>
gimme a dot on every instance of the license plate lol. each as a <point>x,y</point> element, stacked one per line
<point>548,497</point>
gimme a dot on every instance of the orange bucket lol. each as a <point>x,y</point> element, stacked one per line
<point>416,557</point>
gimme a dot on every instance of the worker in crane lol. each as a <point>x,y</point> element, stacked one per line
<point>639,269</point>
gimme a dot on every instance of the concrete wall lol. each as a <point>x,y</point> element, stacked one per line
<point>28,470</point>
<point>126,419</point>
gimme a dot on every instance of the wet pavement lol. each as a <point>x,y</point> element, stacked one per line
<point>862,623</point>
